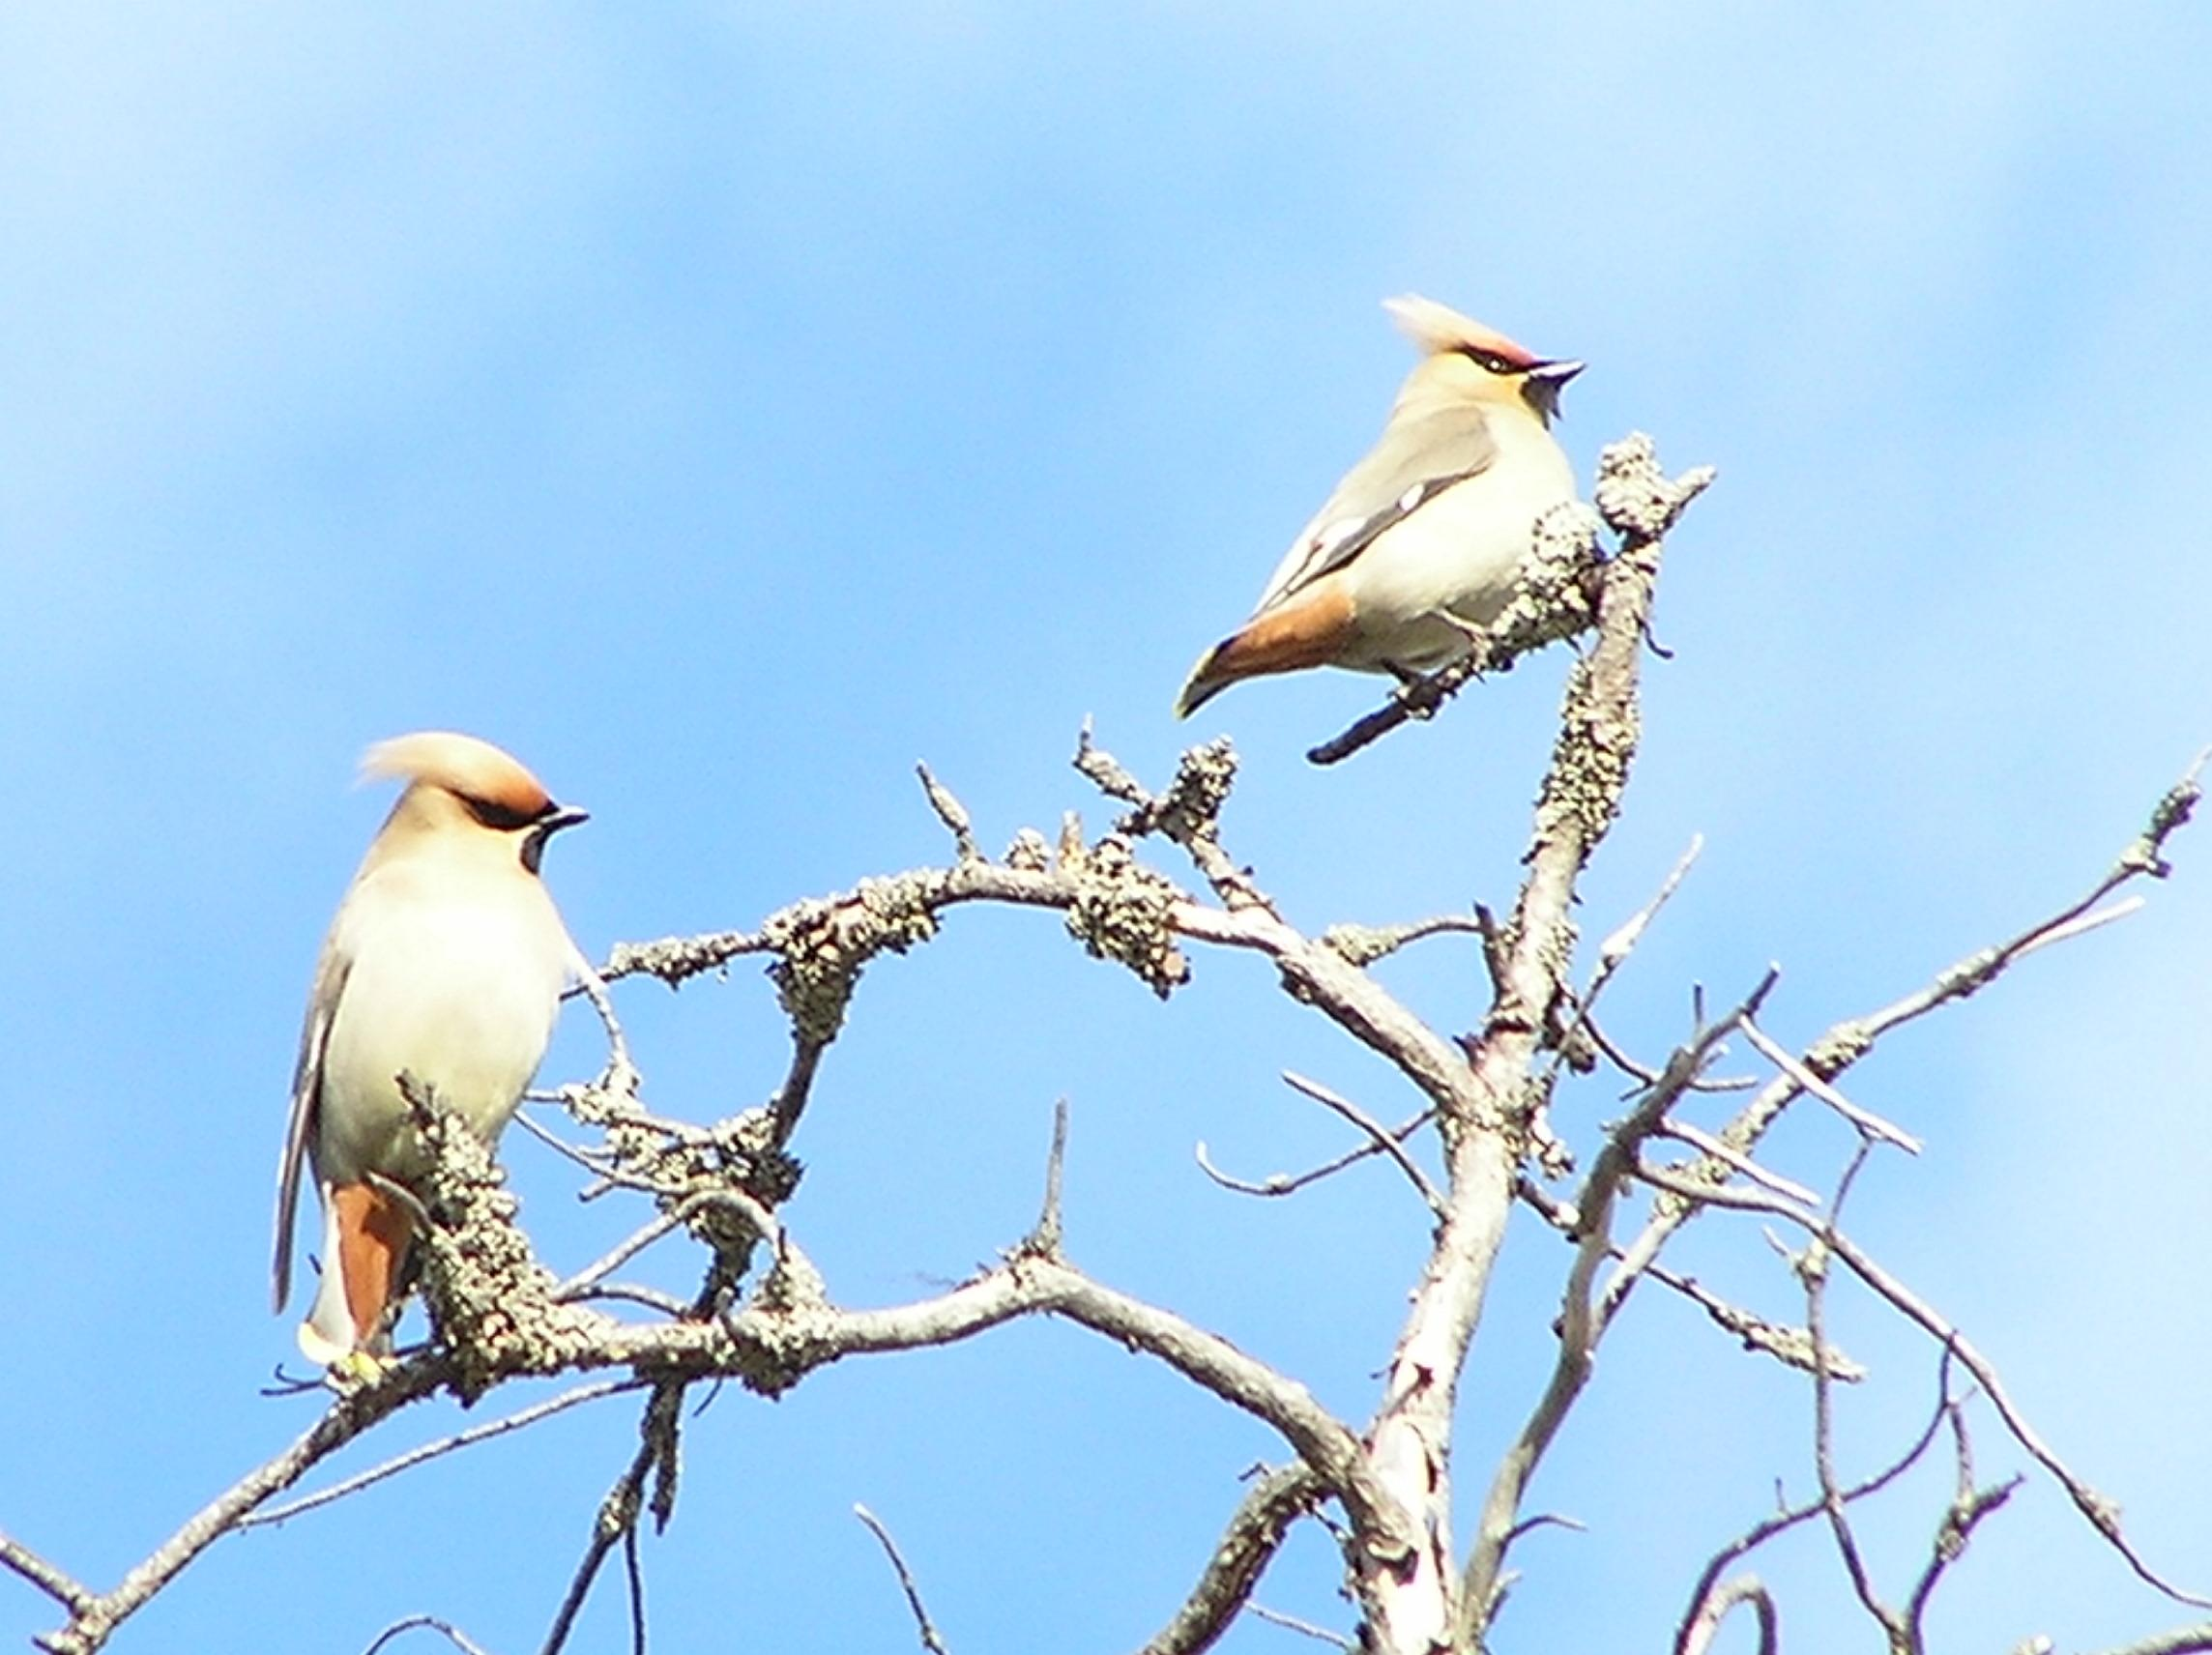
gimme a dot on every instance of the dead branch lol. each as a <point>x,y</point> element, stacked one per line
<point>2102,1514</point>
<point>1241,1555</point>
<point>1716,1606</point>
<point>1576,804</point>
<point>1687,1635</point>
<point>1578,1327</point>
<point>927,1628</point>
<point>450,1632</point>
<point>617,1517</point>
<point>1846,1042</point>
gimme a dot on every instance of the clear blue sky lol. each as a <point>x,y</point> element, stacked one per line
<point>725,407</point>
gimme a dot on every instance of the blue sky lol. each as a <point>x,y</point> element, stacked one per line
<point>725,407</point>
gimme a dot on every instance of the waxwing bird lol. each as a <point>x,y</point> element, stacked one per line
<point>1423,537</point>
<point>447,962</point>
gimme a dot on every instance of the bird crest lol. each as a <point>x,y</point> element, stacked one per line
<point>461,765</point>
<point>1437,328</point>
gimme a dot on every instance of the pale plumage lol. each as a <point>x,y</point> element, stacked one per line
<point>1427,530</point>
<point>446,961</point>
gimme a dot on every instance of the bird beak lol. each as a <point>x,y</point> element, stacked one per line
<point>566,816</point>
<point>1540,390</point>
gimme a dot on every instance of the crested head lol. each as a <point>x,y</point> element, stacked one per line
<point>1465,362</point>
<point>1438,329</point>
<point>469,768</point>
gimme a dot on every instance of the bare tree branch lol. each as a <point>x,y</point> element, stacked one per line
<point>2182,1641</point>
<point>54,1582</point>
<point>1578,1327</point>
<point>1716,1606</point>
<point>445,1628</point>
<point>618,1513</point>
<point>1708,1586</point>
<point>1790,1346</point>
<point>2102,1513</point>
<point>1866,1121</point>
<point>930,1640</point>
<point>92,1619</point>
<point>1812,1267</point>
<point>1044,1240</point>
<point>414,1457</point>
<point>1377,1136</point>
<point>1241,1555</point>
<point>500,1315</point>
<point>1580,796</point>
<point>952,813</point>
<point>1304,1628</point>
<point>1289,1183</point>
<point>1846,1042</point>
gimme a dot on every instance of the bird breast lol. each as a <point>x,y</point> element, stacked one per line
<point>458,987</point>
<point>1460,552</point>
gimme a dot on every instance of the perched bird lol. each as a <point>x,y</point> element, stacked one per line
<point>446,961</point>
<point>1423,538</point>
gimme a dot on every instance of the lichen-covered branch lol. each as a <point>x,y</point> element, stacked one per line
<point>1247,1545</point>
<point>1486,1124</point>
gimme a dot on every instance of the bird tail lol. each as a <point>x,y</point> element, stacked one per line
<point>1307,630</point>
<point>366,1236</point>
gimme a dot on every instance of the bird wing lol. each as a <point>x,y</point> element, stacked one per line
<point>331,974</point>
<point>1416,460</point>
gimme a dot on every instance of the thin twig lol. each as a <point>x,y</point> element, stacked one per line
<point>538,1129</point>
<point>1291,1623</point>
<point>1614,950</point>
<point>1044,1240</point>
<point>1789,1345</point>
<point>764,1224</point>
<point>1705,1144</point>
<point>628,1293</point>
<point>952,813</point>
<point>930,1640</point>
<point>1715,1607</point>
<point>1579,1330</point>
<point>633,1572</point>
<point>1288,1184</point>
<point>1378,1135</point>
<point>617,1516</point>
<point>1813,1272</point>
<point>417,1622</point>
<point>1687,1638</point>
<point>1846,1042</point>
<point>1865,1120</point>
<point>2100,1513</point>
<point>474,1434</point>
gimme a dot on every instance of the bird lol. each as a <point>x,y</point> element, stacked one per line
<point>1421,541</point>
<point>446,961</point>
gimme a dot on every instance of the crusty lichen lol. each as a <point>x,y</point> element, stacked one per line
<point>1191,806</point>
<point>822,945</point>
<point>1125,910</point>
<point>489,1298</point>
